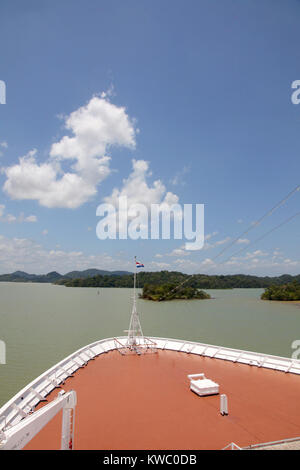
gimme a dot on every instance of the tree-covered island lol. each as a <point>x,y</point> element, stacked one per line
<point>287,292</point>
<point>171,292</point>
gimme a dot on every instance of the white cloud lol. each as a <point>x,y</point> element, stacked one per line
<point>260,261</point>
<point>207,262</point>
<point>30,180</point>
<point>31,218</point>
<point>157,265</point>
<point>257,262</point>
<point>94,128</point>
<point>221,242</point>
<point>180,252</point>
<point>4,146</point>
<point>208,246</point>
<point>27,255</point>
<point>177,252</point>
<point>12,218</point>
<point>208,236</point>
<point>241,241</point>
<point>185,264</point>
<point>45,232</point>
<point>178,179</point>
<point>110,92</point>
<point>255,254</point>
<point>138,191</point>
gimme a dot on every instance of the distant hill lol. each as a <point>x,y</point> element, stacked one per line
<point>102,278</point>
<point>53,276</point>
<point>93,272</point>
<point>198,281</point>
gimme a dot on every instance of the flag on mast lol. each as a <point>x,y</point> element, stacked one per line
<point>139,265</point>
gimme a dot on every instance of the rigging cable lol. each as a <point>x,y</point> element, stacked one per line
<point>255,224</point>
<point>258,222</point>
<point>263,236</point>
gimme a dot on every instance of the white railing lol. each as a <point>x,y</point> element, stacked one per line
<point>25,401</point>
<point>232,446</point>
<point>273,443</point>
<point>268,361</point>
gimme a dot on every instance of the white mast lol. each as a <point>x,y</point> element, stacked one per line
<point>135,333</point>
<point>136,341</point>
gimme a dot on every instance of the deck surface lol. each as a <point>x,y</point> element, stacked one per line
<point>144,402</point>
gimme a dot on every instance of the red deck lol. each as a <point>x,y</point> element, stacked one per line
<point>144,402</point>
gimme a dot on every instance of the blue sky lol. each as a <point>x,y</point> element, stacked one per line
<point>200,90</point>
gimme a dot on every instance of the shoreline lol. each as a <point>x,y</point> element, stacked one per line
<point>288,302</point>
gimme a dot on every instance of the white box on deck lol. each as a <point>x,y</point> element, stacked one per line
<point>203,386</point>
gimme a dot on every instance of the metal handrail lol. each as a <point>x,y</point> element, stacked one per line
<point>272,443</point>
<point>232,446</point>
